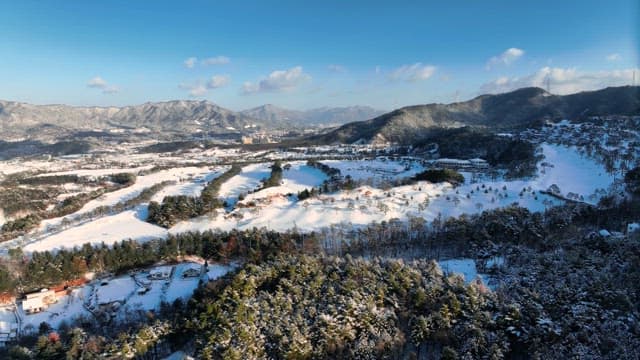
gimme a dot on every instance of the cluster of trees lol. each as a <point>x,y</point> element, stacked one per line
<point>174,209</point>
<point>45,269</point>
<point>332,173</point>
<point>440,175</point>
<point>332,308</point>
<point>632,180</point>
<point>124,179</point>
<point>275,178</point>
<point>16,200</point>
<point>335,181</point>
<point>181,207</point>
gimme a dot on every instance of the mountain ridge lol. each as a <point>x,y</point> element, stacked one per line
<point>512,110</point>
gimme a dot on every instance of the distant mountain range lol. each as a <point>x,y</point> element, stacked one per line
<point>278,117</point>
<point>517,109</point>
<point>22,120</point>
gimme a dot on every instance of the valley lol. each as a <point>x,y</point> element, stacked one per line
<point>123,235</point>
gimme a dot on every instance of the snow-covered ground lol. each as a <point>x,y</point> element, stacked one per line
<point>179,174</point>
<point>571,171</point>
<point>248,180</point>
<point>295,179</point>
<point>190,188</point>
<point>377,170</point>
<point>273,208</point>
<point>128,224</point>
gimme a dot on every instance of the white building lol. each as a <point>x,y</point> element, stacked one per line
<point>160,273</point>
<point>38,301</point>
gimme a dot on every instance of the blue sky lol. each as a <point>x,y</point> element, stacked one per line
<point>303,55</point>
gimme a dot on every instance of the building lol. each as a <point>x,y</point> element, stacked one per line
<point>160,273</point>
<point>38,301</point>
<point>193,271</point>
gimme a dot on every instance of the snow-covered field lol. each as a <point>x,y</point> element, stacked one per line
<point>190,188</point>
<point>178,174</point>
<point>128,224</point>
<point>570,171</point>
<point>278,208</point>
<point>248,180</point>
<point>295,179</point>
<point>377,170</point>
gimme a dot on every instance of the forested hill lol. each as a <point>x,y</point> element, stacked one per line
<point>517,109</point>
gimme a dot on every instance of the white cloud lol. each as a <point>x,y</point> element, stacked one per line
<point>279,80</point>
<point>190,62</point>
<point>413,72</point>
<point>562,81</point>
<point>218,81</point>
<point>201,88</point>
<point>99,83</point>
<point>613,57</point>
<point>216,60</point>
<point>506,58</point>
<point>337,68</point>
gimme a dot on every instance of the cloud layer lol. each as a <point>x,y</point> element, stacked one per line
<point>562,81</point>
<point>414,72</point>
<point>506,58</point>
<point>277,81</point>
<point>99,83</point>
